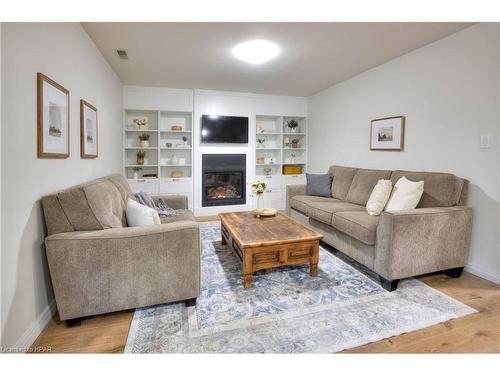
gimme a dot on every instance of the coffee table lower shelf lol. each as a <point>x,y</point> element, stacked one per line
<point>269,256</point>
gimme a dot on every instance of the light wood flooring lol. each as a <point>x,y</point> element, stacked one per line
<point>475,333</point>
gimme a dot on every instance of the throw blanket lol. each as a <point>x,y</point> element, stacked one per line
<point>162,208</point>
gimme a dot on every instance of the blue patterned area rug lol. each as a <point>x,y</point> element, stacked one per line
<point>286,310</point>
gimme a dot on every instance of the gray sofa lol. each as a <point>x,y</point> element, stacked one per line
<point>98,265</point>
<point>433,237</point>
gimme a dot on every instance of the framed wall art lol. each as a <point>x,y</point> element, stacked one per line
<point>387,134</point>
<point>52,118</point>
<point>88,130</point>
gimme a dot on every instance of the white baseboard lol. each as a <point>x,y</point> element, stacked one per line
<point>29,336</point>
<point>485,275</point>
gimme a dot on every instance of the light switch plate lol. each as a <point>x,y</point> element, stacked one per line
<point>484,141</point>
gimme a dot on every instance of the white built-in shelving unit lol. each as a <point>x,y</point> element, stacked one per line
<point>167,155</point>
<point>276,151</point>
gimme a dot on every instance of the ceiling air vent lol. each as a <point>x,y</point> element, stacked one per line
<point>122,54</point>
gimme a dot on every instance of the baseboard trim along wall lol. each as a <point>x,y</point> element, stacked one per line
<point>30,335</point>
<point>485,275</point>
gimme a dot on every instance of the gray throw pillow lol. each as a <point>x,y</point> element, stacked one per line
<point>319,185</point>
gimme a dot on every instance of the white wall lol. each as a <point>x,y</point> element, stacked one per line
<point>449,93</point>
<point>65,53</point>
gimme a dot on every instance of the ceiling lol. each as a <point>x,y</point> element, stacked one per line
<point>313,56</point>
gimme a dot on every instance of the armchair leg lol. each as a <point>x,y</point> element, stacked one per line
<point>454,272</point>
<point>389,285</point>
<point>73,322</point>
<point>190,302</point>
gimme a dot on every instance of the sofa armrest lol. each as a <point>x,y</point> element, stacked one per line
<point>423,240</point>
<point>291,191</point>
<point>95,272</point>
<point>178,202</point>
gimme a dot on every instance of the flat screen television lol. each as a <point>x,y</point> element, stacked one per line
<point>224,129</point>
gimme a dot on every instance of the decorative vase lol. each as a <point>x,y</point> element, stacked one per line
<point>293,130</point>
<point>140,161</point>
<point>136,175</point>
<point>144,143</point>
<point>260,202</point>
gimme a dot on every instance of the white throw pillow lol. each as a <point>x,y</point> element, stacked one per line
<point>379,197</point>
<point>139,215</point>
<point>405,195</point>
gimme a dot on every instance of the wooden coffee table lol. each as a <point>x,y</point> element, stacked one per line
<point>269,242</point>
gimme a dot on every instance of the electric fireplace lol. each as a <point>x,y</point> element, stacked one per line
<point>223,179</point>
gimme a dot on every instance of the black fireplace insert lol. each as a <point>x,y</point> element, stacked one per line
<point>223,179</point>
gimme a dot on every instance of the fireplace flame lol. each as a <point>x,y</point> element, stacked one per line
<point>223,192</point>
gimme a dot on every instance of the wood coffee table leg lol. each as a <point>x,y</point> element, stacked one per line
<point>313,270</point>
<point>223,239</point>
<point>247,280</point>
<point>247,268</point>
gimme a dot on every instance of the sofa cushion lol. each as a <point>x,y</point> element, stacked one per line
<point>323,211</point>
<point>76,208</point>
<point>440,189</point>
<point>184,215</point>
<point>123,186</point>
<point>358,224</point>
<point>70,209</point>
<point>300,202</point>
<point>106,203</point>
<point>319,185</point>
<point>342,180</point>
<point>363,183</point>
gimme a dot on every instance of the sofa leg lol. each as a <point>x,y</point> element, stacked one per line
<point>454,272</point>
<point>190,302</point>
<point>73,322</point>
<point>388,285</point>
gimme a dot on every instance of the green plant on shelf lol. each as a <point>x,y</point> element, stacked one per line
<point>292,124</point>
<point>140,157</point>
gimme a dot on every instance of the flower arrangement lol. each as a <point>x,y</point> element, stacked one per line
<point>144,137</point>
<point>140,122</point>
<point>260,142</point>
<point>258,187</point>
<point>295,143</point>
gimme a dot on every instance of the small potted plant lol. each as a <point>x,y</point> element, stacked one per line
<point>295,143</point>
<point>141,122</point>
<point>140,157</point>
<point>168,144</point>
<point>136,172</point>
<point>260,142</point>
<point>144,140</point>
<point>185,140</point>
<point>292,125</point>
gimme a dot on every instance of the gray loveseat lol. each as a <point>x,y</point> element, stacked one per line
<point>98,265</point>
<point>433,237</point>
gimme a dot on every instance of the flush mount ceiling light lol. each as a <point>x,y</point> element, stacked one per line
<point>256,51</point>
